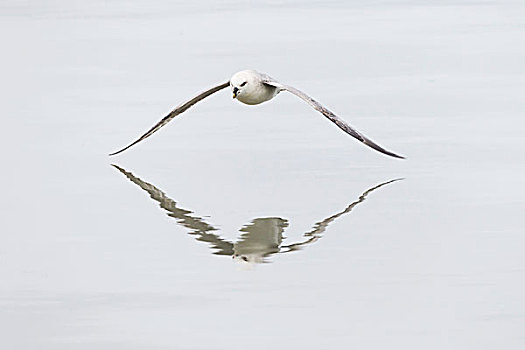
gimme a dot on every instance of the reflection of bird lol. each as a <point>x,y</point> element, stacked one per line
<point>259,239</point>
<point>251,87</point>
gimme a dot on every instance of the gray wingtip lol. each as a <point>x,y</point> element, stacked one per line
<point>125,148</point>
<point>115,153</point>
<point>397,156</point>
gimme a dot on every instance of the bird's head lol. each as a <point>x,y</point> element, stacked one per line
<point>243,82</point>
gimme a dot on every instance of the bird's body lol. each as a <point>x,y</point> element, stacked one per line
<point>251,87</point>
<point>248,87</point>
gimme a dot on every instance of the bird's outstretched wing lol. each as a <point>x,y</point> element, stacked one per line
<point>178,110</point>
<point>330,115</point>
<point>198,227</point>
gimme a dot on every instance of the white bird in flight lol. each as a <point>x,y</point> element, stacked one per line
<point>251,87</point>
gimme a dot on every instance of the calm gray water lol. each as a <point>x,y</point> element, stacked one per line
<point>262,226</point>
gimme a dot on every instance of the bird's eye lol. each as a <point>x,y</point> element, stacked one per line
<point>243,84</point>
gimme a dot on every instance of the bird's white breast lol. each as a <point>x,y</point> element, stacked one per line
<point>258,93</point>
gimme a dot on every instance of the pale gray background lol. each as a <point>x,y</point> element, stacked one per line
<point>89,261</point>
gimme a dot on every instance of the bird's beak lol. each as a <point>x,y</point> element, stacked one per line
<point>235,90</point>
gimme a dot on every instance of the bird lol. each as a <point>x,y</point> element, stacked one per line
<point>252,88</point>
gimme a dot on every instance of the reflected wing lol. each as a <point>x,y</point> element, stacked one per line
<point>197,226</point>
<point>320,227</point>
<point>178,110</point>
<point>332,117</point>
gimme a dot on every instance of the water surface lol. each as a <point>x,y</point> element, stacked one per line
<point>90,259</point>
